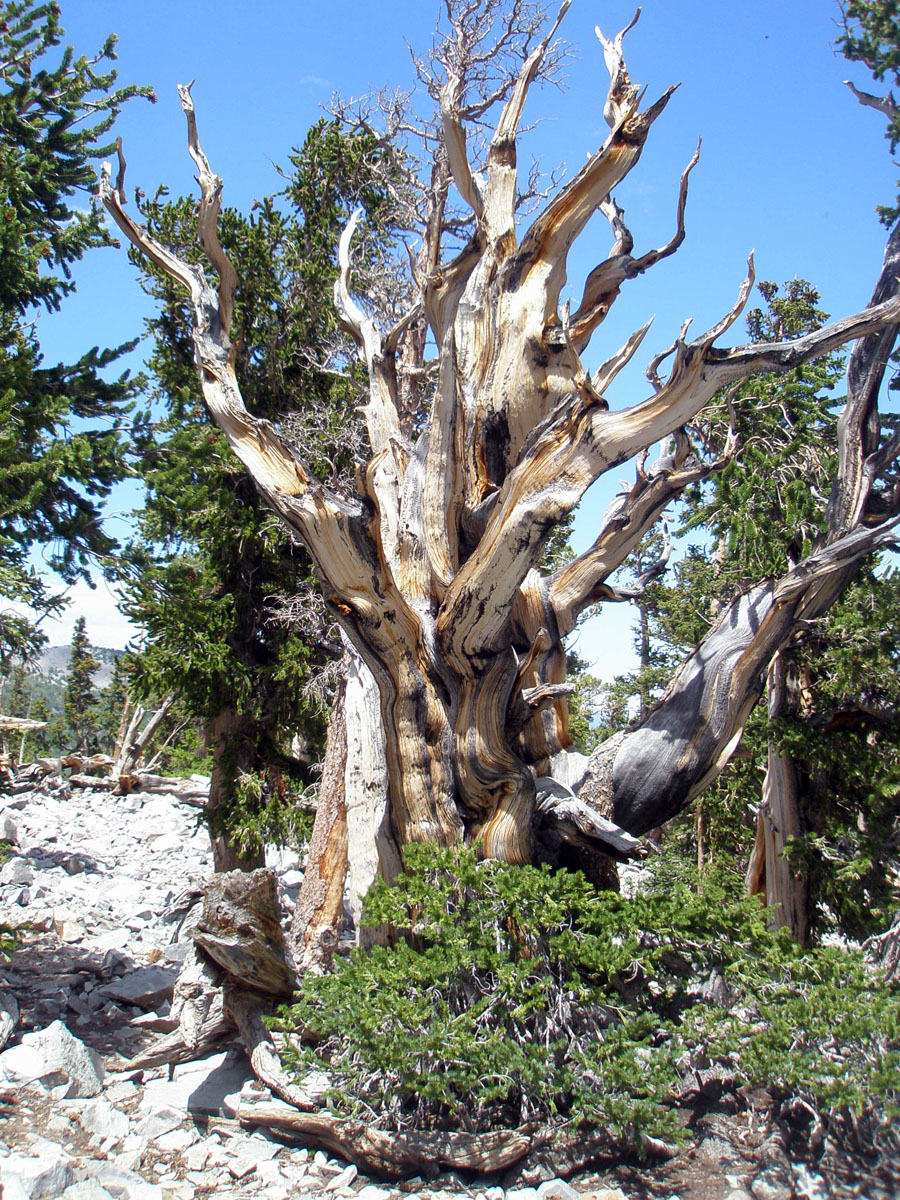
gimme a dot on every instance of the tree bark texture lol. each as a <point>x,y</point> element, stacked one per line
<point>779,819</point>
<point>433,568</point>
<point>319,915</point>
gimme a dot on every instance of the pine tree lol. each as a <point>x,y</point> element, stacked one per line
<point>62,428</point>
<point>80,696</point>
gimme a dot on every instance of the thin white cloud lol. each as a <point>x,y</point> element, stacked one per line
<point>314,81</point>
<point>105,625</point>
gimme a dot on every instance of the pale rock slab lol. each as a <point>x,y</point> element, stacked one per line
<point>48,1174</point>
<point>87,1190</point>
<point>372,1192</point>
<point>556,1189</point>
<point>240,1167</point>
<point>177,1140</point>
<point>344,1179</point>
<point>160,1119</point>
<point>123,1184</point>
<point>208,1087</point>
<point>18,871</point>
<point>101,1117</point>
<point>50,1053</point>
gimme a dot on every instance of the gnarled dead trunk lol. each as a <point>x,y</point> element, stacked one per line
<point>433,567</point>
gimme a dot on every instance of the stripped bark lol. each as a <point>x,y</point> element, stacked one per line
<point>137,735</point>
<point>769,873</point>
<point>319,914</point>
<point>394,1155</point>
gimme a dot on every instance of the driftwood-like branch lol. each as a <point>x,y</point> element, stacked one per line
<point>394,1155</point>
<point>602,285</point>
<point>575,822</point>
<point>578,584</point>
<point>500,208</point>
<point>859,424</point>
<point>658,768</point>
<point>246,1012</point>
<point>884,104</point>
<point>210,207</point>
<point>20,724</point>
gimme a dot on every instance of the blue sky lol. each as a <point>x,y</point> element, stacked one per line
<point>791,165</point>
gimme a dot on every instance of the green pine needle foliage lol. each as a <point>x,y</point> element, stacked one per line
<point>521,995</point>
<point>64,429</point>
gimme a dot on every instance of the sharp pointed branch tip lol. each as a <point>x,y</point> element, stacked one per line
<point>631,24</point>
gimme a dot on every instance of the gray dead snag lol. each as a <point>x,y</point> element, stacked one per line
<point>319,915</point>
<point>432,565</point>
<point>769,874</point>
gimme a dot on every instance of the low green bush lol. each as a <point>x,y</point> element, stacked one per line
<point>514,995</point>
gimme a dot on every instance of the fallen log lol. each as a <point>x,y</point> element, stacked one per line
<point>389,1154</point>
<point>86,762</point>
<point>188,791</point>
<point>95,782</point>
<point>20,724</point>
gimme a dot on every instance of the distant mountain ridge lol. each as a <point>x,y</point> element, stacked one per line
<point>54,662</point>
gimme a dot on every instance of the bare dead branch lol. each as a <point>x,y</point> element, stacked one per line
<point>210,207</point>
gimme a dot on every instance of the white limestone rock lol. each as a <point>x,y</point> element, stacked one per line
<point>101,1117</point>
<point>344,1179</point>
<point>556,1189</point>
<point>18,871</point>
<point>47,1174</point>
<point>54,1056</point>
<point>87,1189</point>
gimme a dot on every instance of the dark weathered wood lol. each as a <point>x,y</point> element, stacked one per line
<point>769,873</point>
<point>240,930</point>
<point>172,1049</point>
<point>319,914</point>
<point>246,1012</point>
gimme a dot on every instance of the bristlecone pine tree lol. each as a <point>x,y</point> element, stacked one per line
<point>431,565</point>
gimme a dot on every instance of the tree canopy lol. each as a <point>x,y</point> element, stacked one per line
<point>63,428</point>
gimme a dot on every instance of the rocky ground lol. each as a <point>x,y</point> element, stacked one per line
<point>97,885</point>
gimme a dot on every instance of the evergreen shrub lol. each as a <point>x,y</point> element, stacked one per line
<point>513,995</point>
